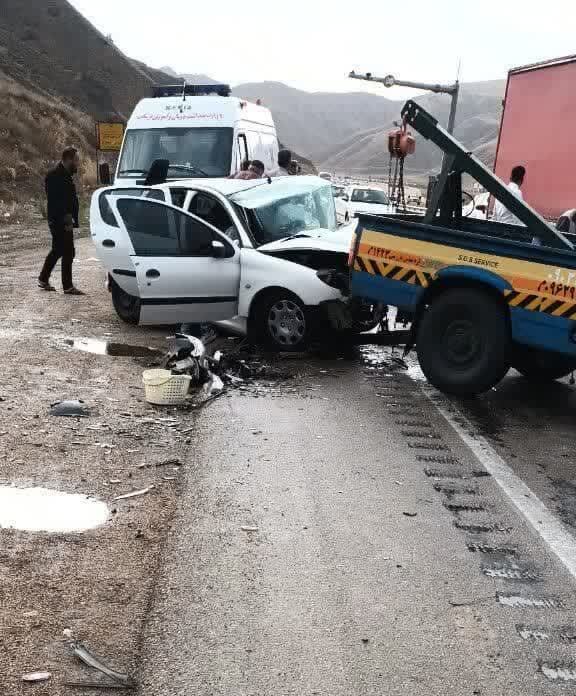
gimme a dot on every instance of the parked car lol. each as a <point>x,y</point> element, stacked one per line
<point>263,257</point>
<point>362,199</point>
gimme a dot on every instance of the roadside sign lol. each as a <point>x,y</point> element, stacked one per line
<point>110,136</point>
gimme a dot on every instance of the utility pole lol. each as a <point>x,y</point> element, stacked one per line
<point>453,91</point>
<point>391,81</point>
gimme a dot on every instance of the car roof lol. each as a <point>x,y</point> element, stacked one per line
<point>224,186</point>
<point>228,187</point>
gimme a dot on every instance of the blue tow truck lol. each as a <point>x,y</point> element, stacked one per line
<point>482,296</point>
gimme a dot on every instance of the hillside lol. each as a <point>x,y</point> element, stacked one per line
<point>477,125</point>
<point>347,132</point>
<point>58,75</point>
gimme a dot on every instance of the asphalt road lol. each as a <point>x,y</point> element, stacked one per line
<point>362,534</point>
<point>349,531</point>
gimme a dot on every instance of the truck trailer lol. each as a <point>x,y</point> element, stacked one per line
<point>537,131</point>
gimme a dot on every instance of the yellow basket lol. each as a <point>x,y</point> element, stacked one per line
<point>165,389</point>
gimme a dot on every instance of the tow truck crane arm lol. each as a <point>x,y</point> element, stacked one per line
<point>447,193</point>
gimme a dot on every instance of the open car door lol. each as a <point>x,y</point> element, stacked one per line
<point>186,270</point>
<point>113,247</point>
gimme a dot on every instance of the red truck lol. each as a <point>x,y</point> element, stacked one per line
<point>537,130</point>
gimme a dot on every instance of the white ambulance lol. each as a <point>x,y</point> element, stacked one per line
<point>197,131</point>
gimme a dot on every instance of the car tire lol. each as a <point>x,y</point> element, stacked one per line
<point>540,365</point>
<point>463,342</point>
<point>127,306</point>
<point>280,321</point>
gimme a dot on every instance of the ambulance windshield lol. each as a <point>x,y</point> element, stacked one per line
<point>192,152</point>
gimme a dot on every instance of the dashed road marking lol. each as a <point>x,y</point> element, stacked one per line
<point>549,528</point>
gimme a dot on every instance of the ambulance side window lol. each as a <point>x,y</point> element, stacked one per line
<point>243,145</point>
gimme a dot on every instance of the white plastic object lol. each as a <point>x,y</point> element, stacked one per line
<point>162,388</point>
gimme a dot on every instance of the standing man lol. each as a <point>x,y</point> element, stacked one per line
<point>501,213</point>
<point>62,219</point>
<point>284,164</point>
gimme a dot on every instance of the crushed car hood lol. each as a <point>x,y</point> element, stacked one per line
<point>319,240</point>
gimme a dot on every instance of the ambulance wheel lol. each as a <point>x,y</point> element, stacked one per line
<point>540,365</point>
<point>127,306</point>
<point>463,342</point>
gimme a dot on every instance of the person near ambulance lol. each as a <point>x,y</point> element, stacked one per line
<point>284,164</point>
<point>255,171</point>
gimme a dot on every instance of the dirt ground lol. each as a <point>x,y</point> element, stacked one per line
<point>97,583</point>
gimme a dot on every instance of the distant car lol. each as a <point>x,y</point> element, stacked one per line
<point>362,199</point>
<point>338,191</point>
<point>262,257</point>
<point>325,175</point>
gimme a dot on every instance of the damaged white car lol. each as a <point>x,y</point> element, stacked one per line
<point>258,257</point>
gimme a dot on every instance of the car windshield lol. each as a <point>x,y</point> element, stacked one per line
<point>370,196</point>
<point>192,152</point>
<point>287,207</point>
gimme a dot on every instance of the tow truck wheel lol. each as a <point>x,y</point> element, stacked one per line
<point>280,321</point>
<point>463,342</point>
<point>540,365</point>
<point>127,306</point>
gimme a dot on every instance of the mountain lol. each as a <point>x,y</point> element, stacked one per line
<point>477,126</point>
<point>191,79</point>
<point>312,122</point>
<point>49,47</point>
<point>347,132</point>
<point>58,75</point>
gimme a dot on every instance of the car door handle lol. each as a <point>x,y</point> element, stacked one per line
<point>109,243</point>
<point>152,273</point>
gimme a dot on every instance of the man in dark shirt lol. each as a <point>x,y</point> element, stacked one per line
<point>62,219</point>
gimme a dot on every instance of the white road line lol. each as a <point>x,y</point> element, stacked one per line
<point>549,527</point>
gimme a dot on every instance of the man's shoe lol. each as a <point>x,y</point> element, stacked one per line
<point>46,286</point>
<point>73,291</point>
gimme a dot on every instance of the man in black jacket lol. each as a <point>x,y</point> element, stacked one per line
<point>62,219</point>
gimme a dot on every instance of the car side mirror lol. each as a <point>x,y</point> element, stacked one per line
<point>345,198</point>
<point>218,250</point>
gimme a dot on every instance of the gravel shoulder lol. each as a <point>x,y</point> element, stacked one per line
<point>98,583</point>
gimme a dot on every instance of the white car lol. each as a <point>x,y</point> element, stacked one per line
<point>362,199</point>
<point>263,257</point>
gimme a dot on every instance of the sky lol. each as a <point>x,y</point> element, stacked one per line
<point>313,44</point>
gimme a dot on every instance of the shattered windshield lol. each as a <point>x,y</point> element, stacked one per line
<point>288,207</point>
<point>192,152</point>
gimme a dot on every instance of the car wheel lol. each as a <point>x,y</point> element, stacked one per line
<point>127,306</point>
<point>541,366</point>
<point>463,342</point>
<point>282,322</point>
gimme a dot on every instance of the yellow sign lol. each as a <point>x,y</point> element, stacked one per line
<point>110,136</point>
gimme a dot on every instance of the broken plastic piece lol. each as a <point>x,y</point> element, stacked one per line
<point>134,493</point>
<point>73,408</point>
<point>214,385</point>
<point>36,676</point>
<point>83,654</point>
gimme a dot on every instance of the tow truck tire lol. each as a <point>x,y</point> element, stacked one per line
<point>127,306</point>
<point>463,342</point>
<point>541,366</point>
<point>280,321</point>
